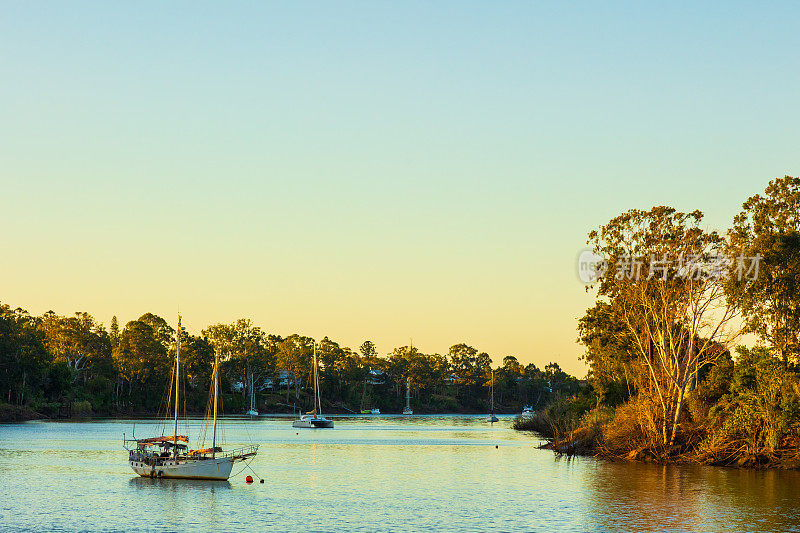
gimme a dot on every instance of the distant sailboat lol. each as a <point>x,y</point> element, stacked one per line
<point>491,418</point>
<point>252,411</point>
<point>169,456</point>
<point>407,410</point>
<point>314,419</point>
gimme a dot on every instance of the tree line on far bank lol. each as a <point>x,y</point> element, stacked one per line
<point>669,378</point>
<point>58,365</point>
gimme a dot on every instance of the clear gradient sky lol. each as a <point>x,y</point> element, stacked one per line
<point>372,170</point>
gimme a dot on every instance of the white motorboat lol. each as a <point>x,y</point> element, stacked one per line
<point>527,412</point>
<point>375,411</point>
<point>169,456</point>
<point>314,419</point>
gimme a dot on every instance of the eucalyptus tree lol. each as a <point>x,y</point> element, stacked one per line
<point>610,354</point>
<point>79,342</point>
<point>24,359</point>
<point>143,363</point>
<point>765,239</point>
<point>245,351</point>
<point>294,357</point>
<point>665,282</point>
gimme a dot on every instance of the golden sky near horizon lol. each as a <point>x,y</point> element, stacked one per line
<point>384,172</point>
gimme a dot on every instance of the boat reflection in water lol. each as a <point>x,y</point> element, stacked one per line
<point>173,484</point>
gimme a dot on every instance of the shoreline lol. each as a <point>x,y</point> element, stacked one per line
<point>581,443</point>
<point>10,414</point>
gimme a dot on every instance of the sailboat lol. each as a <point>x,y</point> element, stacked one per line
<point>491,418</point>
<point>407,410</point>
<point>169,456</point>
<point>314,419</point>
<point>252,411</point>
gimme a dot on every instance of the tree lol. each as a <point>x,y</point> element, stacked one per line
<point>24,359</point>
<point>368,350</point>
<point>768,227</point>
<point>197,360</point>
<point>762,408</point>
<point>143,363</point>
<point>668,290</point>
<point>78,341</point>
<point>161,329</point>
<point>610,353</point>
<point>113,332</point>
<point>244,348</point>
<point>294,356</point>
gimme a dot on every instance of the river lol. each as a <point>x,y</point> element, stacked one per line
<point>374,473</point>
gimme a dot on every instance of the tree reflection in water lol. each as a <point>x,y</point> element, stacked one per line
<point>645,497</point>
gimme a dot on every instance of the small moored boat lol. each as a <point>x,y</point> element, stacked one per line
<point>314,419</point>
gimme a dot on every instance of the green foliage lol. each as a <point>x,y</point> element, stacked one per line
<point>763,406</point>
<point>769,226</point>
<point>609,353</point>
<point>81,408</point>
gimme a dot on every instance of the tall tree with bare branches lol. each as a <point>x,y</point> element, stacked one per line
<point>665,282</point>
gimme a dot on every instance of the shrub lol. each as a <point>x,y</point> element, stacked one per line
<point>762,408</point>
<point>80,408</point>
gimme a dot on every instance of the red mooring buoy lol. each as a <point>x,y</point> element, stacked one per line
<point>249,479</point>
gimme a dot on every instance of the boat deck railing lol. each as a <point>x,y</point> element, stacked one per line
<point>244,451</point>
<point>237,453</point>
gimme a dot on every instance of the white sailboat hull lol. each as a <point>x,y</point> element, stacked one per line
<point>187,469</point>
<point>311,423</point>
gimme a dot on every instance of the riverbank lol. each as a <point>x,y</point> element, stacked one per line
<point>14,413</point>
<point>591,440</point>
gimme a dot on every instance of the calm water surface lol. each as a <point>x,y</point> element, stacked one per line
<point>442,473</point>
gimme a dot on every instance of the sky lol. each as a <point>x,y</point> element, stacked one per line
<point>372,170</point>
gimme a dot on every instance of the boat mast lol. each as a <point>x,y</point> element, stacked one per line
<point>408,393</point>
<point>252,395</point>
<point>214,430</point>
<point>408,378</point>
<point>317,400</point>
<point>493,391</point>
<point>177,387</point>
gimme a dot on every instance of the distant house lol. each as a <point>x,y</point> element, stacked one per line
<point>282,380</point>
<point>375,376</point>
